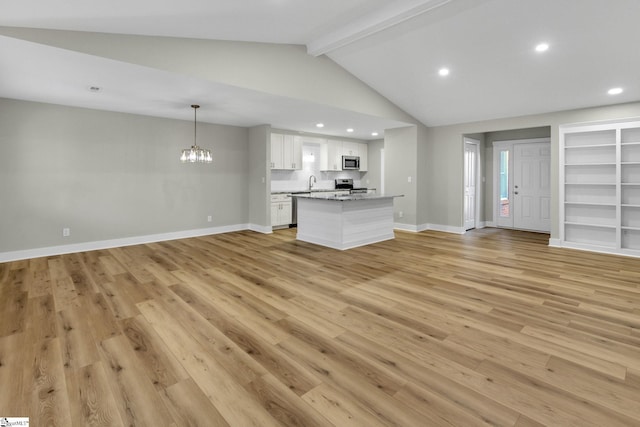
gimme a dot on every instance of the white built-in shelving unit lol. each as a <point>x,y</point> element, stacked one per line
<point>600,187</point>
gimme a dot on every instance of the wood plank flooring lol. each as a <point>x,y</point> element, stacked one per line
<point>244,329</point>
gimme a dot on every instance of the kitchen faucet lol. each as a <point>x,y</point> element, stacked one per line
<point>310,183</point>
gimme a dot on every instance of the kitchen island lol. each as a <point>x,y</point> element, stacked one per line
<point>344,221</point>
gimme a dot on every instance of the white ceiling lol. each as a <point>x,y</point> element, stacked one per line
<point>396,47</point>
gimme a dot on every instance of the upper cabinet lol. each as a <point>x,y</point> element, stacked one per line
<point>286,152</point>
<point>363,150</point>
<point>350,148</point>
<point>331,153</point>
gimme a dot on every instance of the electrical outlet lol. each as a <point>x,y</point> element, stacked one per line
<point>400,214</point>
<point>66,232</point>
<point>263,180</point>
<point>209,218</point>
<point>409,179</point>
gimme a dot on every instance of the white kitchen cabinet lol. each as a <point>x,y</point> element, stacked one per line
<point>600,187</point>
<point>280,210</point>
<point>286,152</point>
<point>331,155</point>
<point>277,155</point>
<point>350,148</point>
<point>363,152</point>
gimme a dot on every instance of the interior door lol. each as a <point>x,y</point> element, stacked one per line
<point>470,177</point>
<point>531,186</point>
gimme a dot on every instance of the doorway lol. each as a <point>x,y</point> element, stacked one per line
<point>522,184</point>
<point>471,170</point>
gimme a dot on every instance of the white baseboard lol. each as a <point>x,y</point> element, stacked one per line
<point>405,227</point>
<point>556,243</point>
<point>447,228</point>
<point>423,227</point>
<point>114,243</point>
<point>490,224</point>
<point>260,228</point>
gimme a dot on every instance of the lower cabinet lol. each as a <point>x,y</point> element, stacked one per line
<point>280,210</point>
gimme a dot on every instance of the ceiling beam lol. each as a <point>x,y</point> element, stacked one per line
<point>379,20</point>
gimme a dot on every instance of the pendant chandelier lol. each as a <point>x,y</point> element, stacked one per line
<point>195,154</point>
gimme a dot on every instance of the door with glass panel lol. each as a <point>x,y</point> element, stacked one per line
<point>523,196</point>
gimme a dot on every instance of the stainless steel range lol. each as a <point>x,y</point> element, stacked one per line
<point>347,184</point>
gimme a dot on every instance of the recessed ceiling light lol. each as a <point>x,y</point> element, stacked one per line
<point>542,47</point>
<point>319,125</point>
<point>615,91</point>
<point>443,72</point>
<point>350,130</point>
<point>374,133</point>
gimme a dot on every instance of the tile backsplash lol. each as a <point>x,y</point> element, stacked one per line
<point>298,180</point>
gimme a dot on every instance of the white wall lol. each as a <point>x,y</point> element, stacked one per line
<point>111,176</point>
<point>401,165</point>
<point>445,162</point>
<point>285,70</point>
<point>259,178</point>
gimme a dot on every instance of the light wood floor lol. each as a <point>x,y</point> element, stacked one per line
<point>243,329</point>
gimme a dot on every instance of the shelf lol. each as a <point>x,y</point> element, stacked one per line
<point>630,172</point>
<point>630,238</point>
<point>569,202</point>
<point>630,217</point>
<point>591,194</point>
<point>601,190</point>
<point>588,234</point>
<point>590,184</point>
<point>630,195</point>
<point>591,174</point>
<point>602,215</point>
<point>630,153</point>
<point>630,135</point>
<point>581,139</point>
<point>591,155</point>
<point>573,147</point>
<point>583,224</point>
<point>592,164</point>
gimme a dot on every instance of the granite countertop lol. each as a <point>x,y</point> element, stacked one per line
<point>318,190</point>
<point>346,197</point>
<point>305,191</point>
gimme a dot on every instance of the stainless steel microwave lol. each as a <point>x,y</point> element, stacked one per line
<point>350,163</point>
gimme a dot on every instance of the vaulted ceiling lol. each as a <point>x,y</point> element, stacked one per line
<point>395,47</point>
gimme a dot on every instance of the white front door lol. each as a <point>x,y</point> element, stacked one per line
<point>470,177</point>
<point>531,186</point>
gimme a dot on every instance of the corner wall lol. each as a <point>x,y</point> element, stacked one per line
<point>445,161</point>
<point>259,178</point>
<point>112,176</point>
<point>401,165</point>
